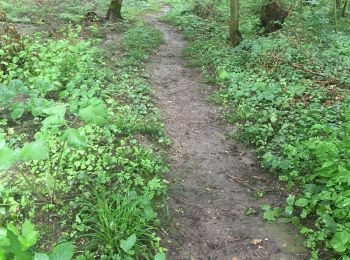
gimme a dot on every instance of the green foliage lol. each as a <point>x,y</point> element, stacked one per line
<point>270,214</point>
<point>95,114</point>
<point>68,123</point>
<point>19,245</point>
<point>120,226</point>
<point>134,42</point>
<point>75,139</point>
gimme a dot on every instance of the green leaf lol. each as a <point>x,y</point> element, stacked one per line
<point>312,188</point>
<point>54,120</point>
<point>160,256</point>
<point>41,256</point>
<point>56,110</point>
<point>38,150</point>
<point>17,113</point>
<point>4,241</point>
<point>126,245</point>
<point>16,247</point>
<point>270,214</point>
<point>62,251</point>
<point>302,202</point>
<point>2,255</point>
<point>290,200</point>
<point>56,115</point>
<point>8,158</point>
<point>95,114</point>
<point>273,118</point>
<point>16,84</point>
<point>289,210</point>
<point>224,75</point>
<point>29,235</point>
<point>75,139</point>
<point>2,142</point>
<point>340,240</point>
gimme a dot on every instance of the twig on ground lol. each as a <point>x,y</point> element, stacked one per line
<point>241,182</point>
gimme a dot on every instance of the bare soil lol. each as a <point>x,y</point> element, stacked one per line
<point>212,180</point>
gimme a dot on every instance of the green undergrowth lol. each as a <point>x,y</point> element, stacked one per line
<point>287,92</point>
<point>77,158</point>
<point>74,11</point>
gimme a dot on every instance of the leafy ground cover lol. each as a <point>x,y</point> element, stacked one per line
<point>287,92</point>
<point>44,11</point>
<point>75,122</point>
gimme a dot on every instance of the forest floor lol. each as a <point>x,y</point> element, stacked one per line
<point>216,186</point>
<point>215,183</point>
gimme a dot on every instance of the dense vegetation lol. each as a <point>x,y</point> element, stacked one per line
<point>80,137</point>
<point>287,92</point>
<point>75,121</point>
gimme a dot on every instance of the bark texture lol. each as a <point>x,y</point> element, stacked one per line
<point>114,10</point>
<point>344,8</point>
<point>272,16</point>
<point>235,34</point>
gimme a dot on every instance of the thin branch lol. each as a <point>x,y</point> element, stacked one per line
<point>241,182</point>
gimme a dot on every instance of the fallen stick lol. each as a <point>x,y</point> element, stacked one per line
<point>241,182</point>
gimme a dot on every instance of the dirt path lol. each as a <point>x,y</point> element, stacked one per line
<point>208,208</point>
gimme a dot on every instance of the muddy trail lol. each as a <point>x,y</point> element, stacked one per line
<point>210,179</point>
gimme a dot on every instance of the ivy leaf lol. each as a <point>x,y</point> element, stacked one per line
<point>8,157</point>
<point>38,150</point>
<point>95,114</point>
<point>126,245</point>
<point>29,235</point>
<point>75,139</point>
<point>340,240</point>
<point>63,251</point>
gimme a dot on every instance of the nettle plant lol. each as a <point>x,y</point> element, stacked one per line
<point>58,120</point>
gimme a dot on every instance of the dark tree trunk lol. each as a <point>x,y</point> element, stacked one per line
<point>235,34</point>
<point>114,10</point>
<point>344,8</point>
<point>272,16</point>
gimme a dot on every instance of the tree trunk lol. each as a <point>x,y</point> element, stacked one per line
<point>338,4</point>
<point>114,10</point>
<point>344,8</point>
<point>235,34</point>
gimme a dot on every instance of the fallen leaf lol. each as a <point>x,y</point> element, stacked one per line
<point>256,242</point>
